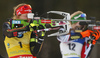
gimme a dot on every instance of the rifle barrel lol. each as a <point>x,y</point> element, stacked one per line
<point>71,20</point>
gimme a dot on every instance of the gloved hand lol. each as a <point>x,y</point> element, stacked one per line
<point>96,36</point>
<point>33,26</point>
<point>86,33</point>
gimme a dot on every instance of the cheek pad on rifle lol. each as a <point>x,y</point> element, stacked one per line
<point>18,23</point>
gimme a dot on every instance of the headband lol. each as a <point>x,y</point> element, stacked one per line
<point>23,9</point>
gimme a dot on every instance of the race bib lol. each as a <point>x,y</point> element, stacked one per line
<point>71,49</point>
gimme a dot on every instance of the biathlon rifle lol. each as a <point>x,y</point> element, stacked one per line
<point>35,20</point>
<point>92,25</point>
<point>66,20</point>
<point>62,22</point>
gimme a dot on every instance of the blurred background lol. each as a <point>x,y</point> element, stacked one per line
<point>51,45</point>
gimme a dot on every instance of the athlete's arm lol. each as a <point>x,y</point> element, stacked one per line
<point>63,38</point>
<point>7,31</point>
<point>35,45</point>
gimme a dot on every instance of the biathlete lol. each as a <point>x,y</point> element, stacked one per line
<point>19,41</point>
<point>74,44</point>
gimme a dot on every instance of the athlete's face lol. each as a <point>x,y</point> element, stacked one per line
<point>24,17</point>
<point>79,27</point>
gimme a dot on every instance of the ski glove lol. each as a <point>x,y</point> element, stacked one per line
<point>96,36</point>
<point>86,33</point>
<point>33,26</point>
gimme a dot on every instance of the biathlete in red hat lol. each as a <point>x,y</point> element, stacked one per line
<point>20,43</point>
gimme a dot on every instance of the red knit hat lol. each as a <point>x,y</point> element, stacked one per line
<point>23,9</point>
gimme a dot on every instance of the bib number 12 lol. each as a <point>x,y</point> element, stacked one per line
<point>72,46</point>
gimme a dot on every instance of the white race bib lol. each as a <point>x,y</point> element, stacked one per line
<point>70,49</point>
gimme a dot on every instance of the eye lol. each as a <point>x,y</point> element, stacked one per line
<point>24,15</point>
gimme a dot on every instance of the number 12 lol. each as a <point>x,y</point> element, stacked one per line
<point>72,46</point>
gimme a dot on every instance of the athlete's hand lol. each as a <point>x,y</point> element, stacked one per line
<point>86,33</point>
<point>96,35</point>
<point>33,26</point>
